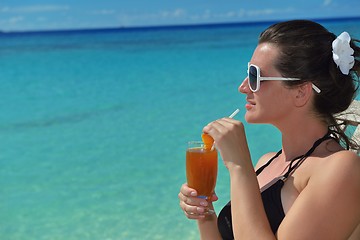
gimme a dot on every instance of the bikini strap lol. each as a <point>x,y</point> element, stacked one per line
<point>267,163</point>
<point>302,158</point>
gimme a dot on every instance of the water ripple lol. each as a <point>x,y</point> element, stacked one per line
<point>59,120</point>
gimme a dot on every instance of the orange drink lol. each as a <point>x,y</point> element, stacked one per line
<point>201,168</point>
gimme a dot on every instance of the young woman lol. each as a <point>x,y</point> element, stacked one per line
<point>299,77</point>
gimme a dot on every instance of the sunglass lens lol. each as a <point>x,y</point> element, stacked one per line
<point>253,78</point>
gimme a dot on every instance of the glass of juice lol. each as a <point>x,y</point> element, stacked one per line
<point>201,168</point>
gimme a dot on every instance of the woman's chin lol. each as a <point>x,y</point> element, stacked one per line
<point>251,118</point>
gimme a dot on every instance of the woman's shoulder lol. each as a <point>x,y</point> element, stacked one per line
<point>330,197</point>
<point>344,159</point>
<point>340,167</point>
<point>336,186</point>
<point>264,159</point>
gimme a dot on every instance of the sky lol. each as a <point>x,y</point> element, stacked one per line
<point>23,15</point>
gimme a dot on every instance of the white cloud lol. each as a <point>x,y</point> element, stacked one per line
<point>203,16</point>
<point>253,13</point>
<point>237,14</point>
<point>10,22</point>
<point>264,12</point>
<point>104,12</point>
<point>327,2</point>
<point>229,14</point>
<point>35,9</point>
<point>151,18</point>
<point>207,14</point>
<point>166,16</point>
<point>179,12</point>
<point>15,20</point>
<point>41,19</point>
<point>28,17</point>
<point>4,9</point>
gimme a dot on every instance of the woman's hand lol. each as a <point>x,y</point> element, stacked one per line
<point>193,206</point>
<point>230,141</point>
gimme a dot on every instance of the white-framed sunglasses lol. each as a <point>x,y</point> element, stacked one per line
<point>254,79</point>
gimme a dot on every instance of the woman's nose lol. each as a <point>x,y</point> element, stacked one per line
<point>244,87</point>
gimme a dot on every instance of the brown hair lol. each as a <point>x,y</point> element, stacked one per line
<point>306,53</point>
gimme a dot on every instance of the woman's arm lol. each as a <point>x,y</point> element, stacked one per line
<point>208,228</point>
<point>248,214</point>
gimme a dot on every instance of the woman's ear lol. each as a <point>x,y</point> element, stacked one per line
<point>302,94</point>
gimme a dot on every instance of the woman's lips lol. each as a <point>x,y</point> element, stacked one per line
<point>250,104</point>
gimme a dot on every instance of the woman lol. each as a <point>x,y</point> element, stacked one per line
<point>310,189</point>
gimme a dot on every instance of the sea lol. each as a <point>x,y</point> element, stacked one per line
<point>94,125</point>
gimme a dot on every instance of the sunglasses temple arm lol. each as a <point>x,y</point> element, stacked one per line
<point>316,89</point>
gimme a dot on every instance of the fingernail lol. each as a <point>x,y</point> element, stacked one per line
<point>204,203</point>
<point>193,194</point>
<point>200,209</point>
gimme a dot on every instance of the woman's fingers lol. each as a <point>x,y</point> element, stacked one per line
<point>214,198</point>
<point>193,206</point>
<point>221,127</point>
<point>192,212</point>
<point>225,130</point>
<point>187,191</point>
<point>230,140</point>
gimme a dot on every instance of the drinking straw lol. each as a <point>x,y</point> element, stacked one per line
<point>234,113</point>
<point>231,116</point>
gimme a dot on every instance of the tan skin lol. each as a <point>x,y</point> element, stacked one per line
<point>321,198</point>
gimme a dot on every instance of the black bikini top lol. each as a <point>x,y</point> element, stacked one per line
<point>271,196</point>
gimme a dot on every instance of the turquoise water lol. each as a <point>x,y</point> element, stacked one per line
<point>94,126</point>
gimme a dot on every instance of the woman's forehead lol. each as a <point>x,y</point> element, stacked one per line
<point>264,57</point>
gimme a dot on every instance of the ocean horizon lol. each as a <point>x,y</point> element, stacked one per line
<point>96,122</point>
<point>178,26</point>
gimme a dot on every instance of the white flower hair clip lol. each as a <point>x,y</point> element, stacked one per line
<point>343,53</point>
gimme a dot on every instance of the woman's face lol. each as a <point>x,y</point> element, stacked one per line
<point>273,100</point>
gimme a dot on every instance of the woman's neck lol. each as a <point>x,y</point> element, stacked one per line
<point>298,139</point>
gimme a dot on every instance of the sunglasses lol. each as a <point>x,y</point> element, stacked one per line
<point>254,79</point>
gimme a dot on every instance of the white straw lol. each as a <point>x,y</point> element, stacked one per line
<point>231,116</point>
<point>234,113</point>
